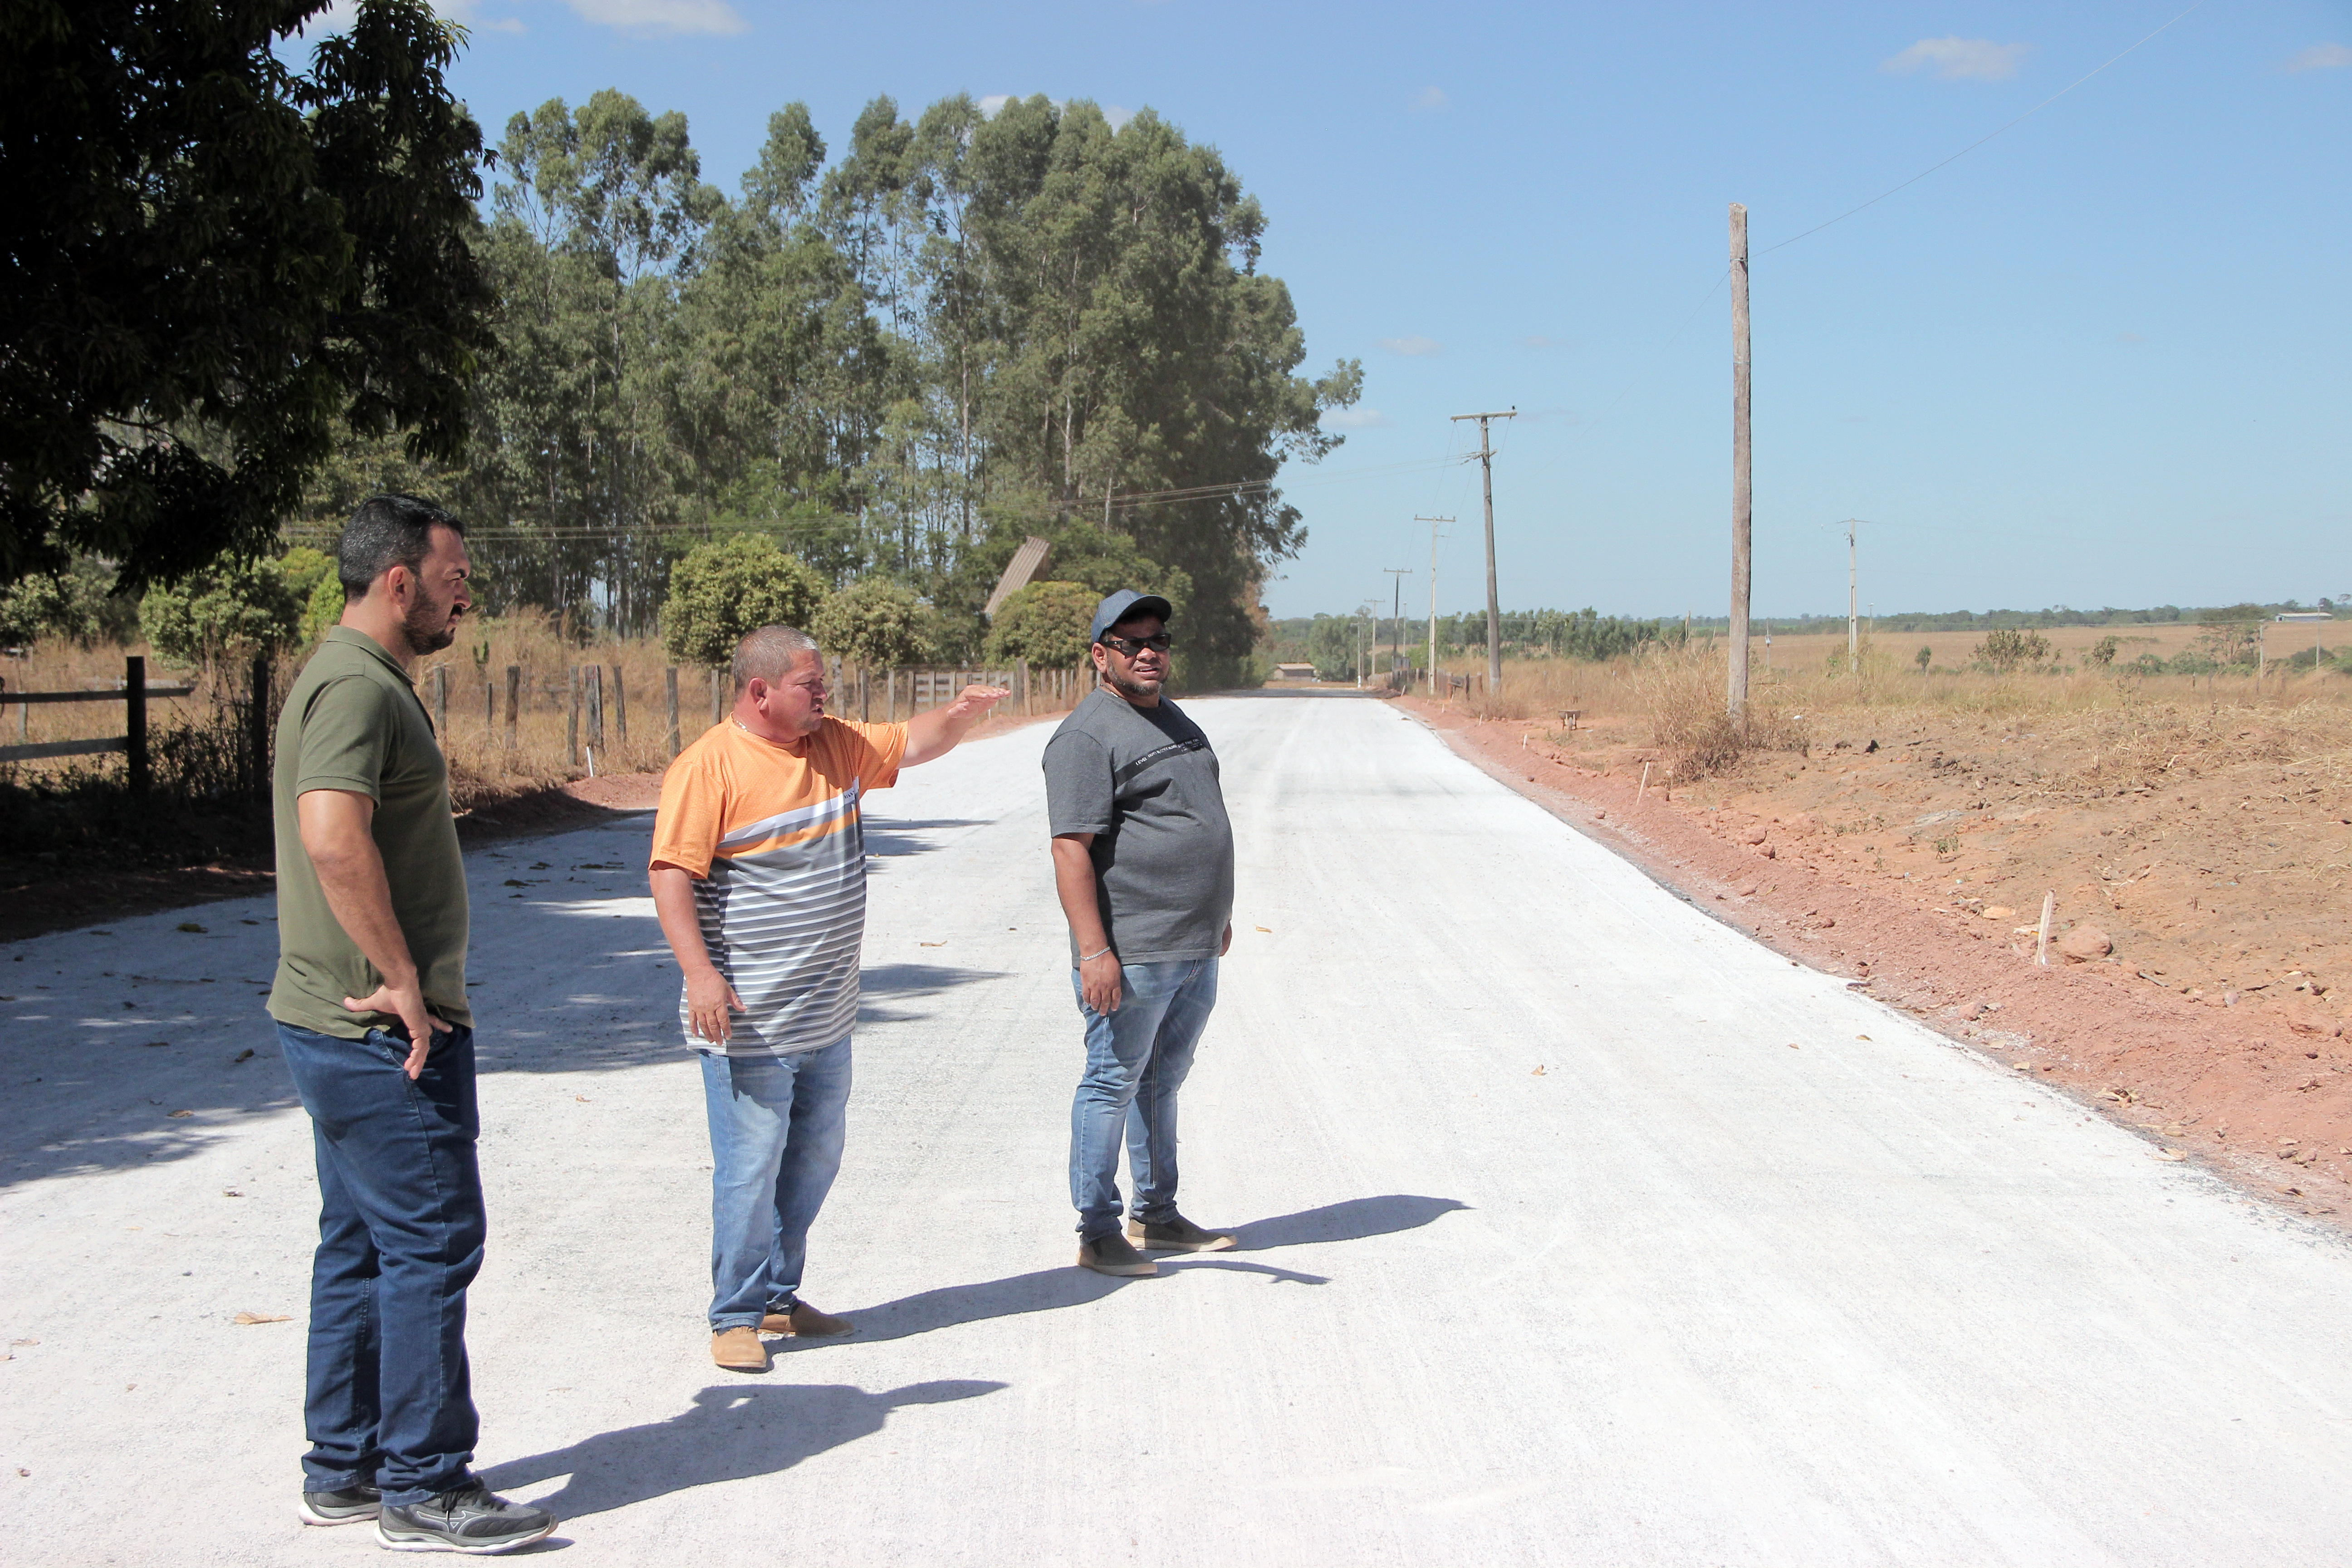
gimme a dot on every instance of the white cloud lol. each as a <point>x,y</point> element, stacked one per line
<point>661,15</point>
<point>1116,116</point>
<point>1417,347</point>
<point>1358,419</point>
<point>2129,338</point>
<point>1962,60</point>
<point>1430,97</point>
<point>2321,56</point>
<point>994,101</point>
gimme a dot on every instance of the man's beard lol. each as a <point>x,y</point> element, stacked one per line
<point>1134,686</point>
<point>428,627</point>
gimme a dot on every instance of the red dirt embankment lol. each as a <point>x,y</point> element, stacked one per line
<point>2207,1026</point>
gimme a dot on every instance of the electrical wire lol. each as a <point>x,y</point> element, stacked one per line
<point>1975,144</point>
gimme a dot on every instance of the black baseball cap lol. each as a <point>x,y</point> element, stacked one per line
<point>1126,606</point>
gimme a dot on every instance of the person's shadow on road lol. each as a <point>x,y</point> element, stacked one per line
<point>731,1433</point>
<point>1049,1290</point>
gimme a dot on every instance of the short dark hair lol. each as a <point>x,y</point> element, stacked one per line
<point>388,531</point>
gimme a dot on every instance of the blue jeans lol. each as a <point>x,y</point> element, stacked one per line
<point>776,1125</point>
<point>1136,1062</point>
<point>389,1396</point>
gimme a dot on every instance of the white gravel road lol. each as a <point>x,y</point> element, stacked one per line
<point>1576,1230</point>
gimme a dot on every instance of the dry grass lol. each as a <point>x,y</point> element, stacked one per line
<point>2132,729</point>
<point>467,684</point>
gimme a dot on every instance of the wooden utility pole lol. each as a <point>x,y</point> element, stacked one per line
<point>1493,608</point>
<point>1743,495</point>
<point>1396,610</point>
<point>1433,537</point>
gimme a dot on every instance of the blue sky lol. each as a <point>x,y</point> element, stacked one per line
<point>2100,360</point>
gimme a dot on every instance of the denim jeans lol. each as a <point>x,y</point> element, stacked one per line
<point>389,1396</point>
<point>776,1126</point>
<point>1136,1062</point>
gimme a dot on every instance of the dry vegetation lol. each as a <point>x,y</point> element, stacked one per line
<point>2200,822</point>
<point>467,684</point>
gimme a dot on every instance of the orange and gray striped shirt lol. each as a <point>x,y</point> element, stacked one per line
<point>775,844</point>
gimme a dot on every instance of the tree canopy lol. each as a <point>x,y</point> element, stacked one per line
<point>214,266</point>
<point>896,362</point>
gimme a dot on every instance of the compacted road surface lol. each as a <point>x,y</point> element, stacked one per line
<point>1576,1228</point>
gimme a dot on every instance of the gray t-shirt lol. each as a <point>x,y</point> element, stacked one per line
<point>1144,782</point>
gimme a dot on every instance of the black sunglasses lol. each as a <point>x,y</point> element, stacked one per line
<point>1131,646</point>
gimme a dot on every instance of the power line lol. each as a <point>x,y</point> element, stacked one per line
<point>1975,144</point>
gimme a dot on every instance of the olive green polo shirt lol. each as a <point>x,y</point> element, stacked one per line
<point>353,721</point>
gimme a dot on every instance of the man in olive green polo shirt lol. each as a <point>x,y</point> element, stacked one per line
<point>370,1001</point>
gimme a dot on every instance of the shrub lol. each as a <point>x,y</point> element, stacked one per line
<point>1685,692</point>
<point>79,603</point>
<point>229,610</point>
<point>731,586</point>
<point>2102,653</point>
<point>2007,648</point>
<point>1044,622</point>
<point>875,624</point>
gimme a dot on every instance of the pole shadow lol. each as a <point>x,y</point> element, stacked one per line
<point>1051,1289</point>
<point>731,1433</point>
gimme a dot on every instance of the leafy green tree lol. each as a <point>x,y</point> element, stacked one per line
<point>229,610</point>
<point>1044,622</point>
<point>877,623</point>
<point>1926,655</point>
<point>79,605</point>
<point>726,588</point>
<point>211,262</point>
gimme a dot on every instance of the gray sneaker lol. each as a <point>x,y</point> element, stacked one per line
<point>471,1520</point>
<point>351,1505</point>
<point>1176,1234</point>
<point>1111,1255</point>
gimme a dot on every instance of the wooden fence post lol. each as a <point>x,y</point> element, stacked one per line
<point>717,698</point>
<point>134,703</point>
<point>256,719</point>
<point>572,723</point>
<point>1021,685</point>
<point>620,706</point>
<point>670,700</point>
<point>595,682</point>
<point>514,701</point>
<point>440,681</point>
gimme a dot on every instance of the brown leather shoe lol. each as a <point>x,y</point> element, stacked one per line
<point>805,1322</point>
<point>739,1348</point>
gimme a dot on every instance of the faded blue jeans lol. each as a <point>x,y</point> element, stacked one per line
<point>776,1129</point>
<point>400,1238</point>
<point>1136,1062</point>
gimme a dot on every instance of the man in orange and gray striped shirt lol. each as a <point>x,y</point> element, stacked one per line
<point>758,875</point>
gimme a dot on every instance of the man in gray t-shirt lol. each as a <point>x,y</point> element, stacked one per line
<point>1143,860</point>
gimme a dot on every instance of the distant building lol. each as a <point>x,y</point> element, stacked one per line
<point>1294,672</point>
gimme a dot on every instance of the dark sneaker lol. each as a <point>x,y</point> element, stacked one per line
<point>471,1520</point>
<point>350,1506</point>
<point>1176,1234</point>
<point>1111,1255</point>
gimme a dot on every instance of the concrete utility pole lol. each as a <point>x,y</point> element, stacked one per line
<point>1853,604</point>
<point>1493,608</point>
<point>1743,495</point>
<point>1433,537</point>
